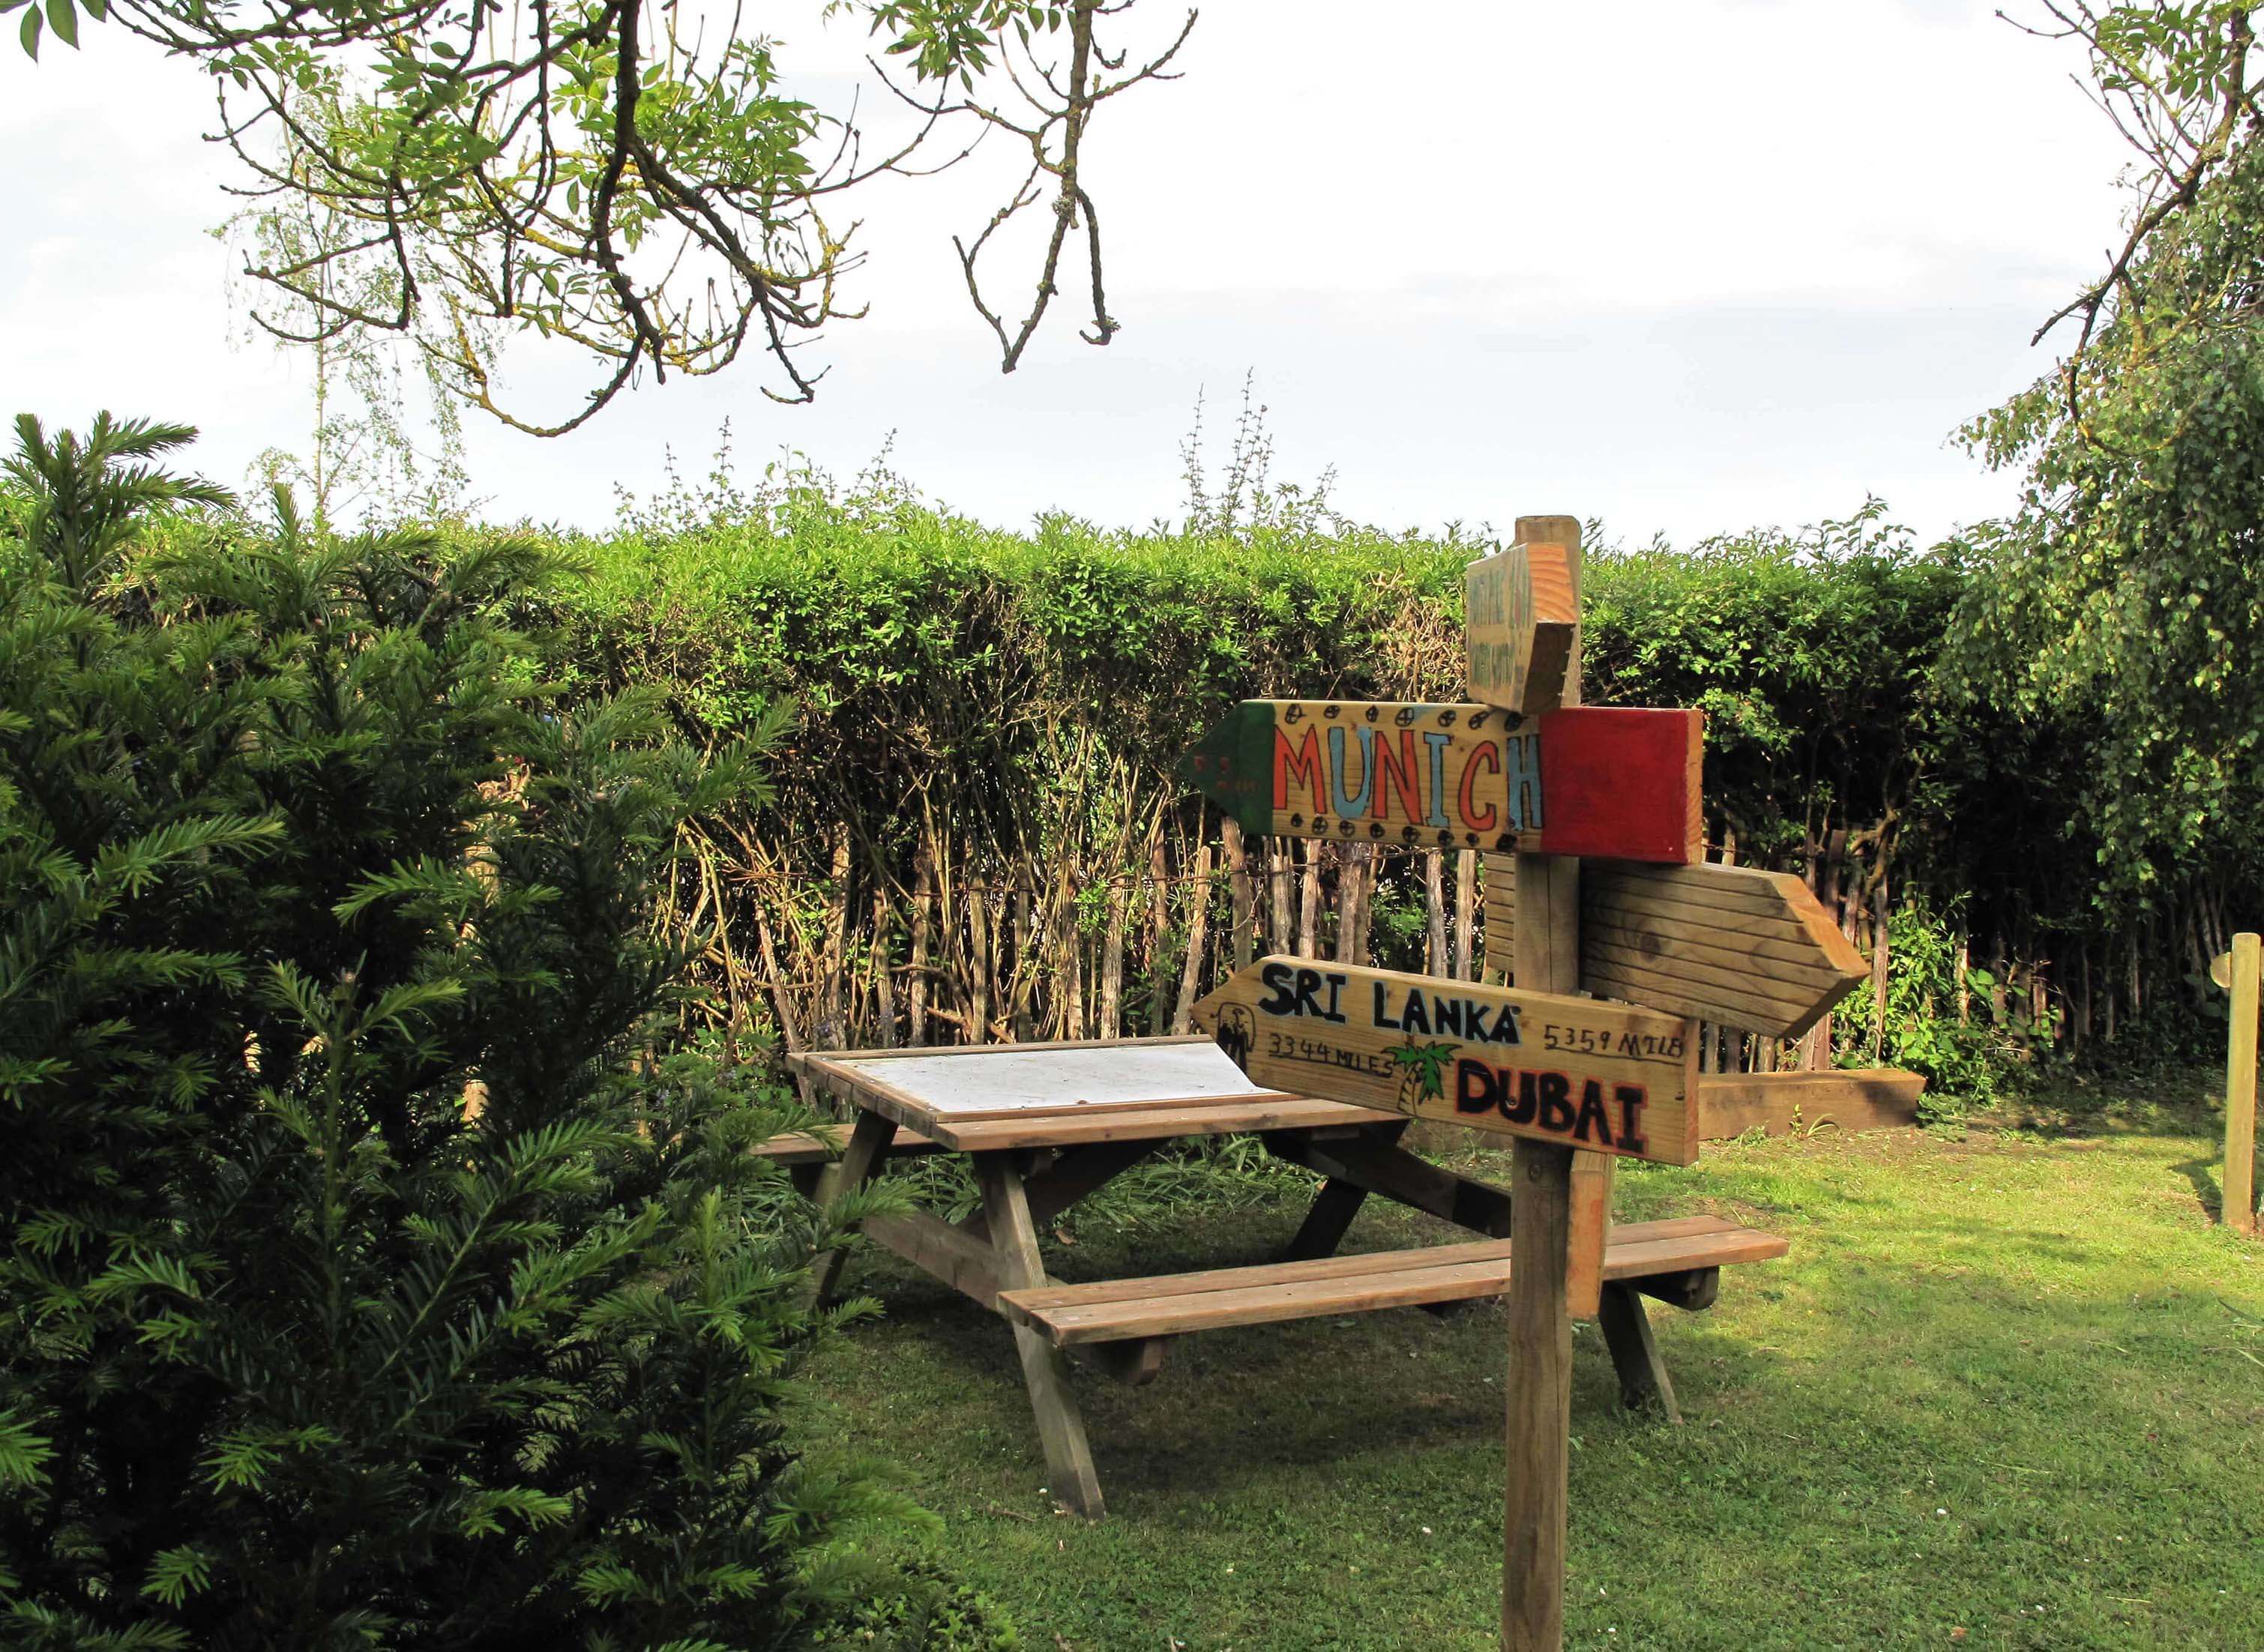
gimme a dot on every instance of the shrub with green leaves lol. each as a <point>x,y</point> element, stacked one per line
<point>375,1268</point>
<point>1974,1042</point>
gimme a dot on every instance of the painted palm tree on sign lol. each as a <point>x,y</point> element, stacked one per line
<point>1422,1071</point>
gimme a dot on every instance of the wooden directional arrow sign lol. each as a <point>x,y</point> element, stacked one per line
<point>1616,781</point>
<point>1574,1071</point>
<point>1732,945</point>
<point>1523,618</point>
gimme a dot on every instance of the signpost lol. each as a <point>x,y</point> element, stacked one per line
<point>1577,1083</point>
<point>1607,1077</point>
<point>1561,1200</point>
<point>1615,781</point>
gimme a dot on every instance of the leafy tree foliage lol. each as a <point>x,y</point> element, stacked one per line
<point>2128,590</point>
<point>374,1267</point>
<point>637,181</point>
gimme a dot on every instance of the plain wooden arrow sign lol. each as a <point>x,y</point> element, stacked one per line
<point>1616,781</point>
<point>1732,945</point>
<point>1606,1077</point>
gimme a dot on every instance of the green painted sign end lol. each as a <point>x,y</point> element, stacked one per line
<point>1233,765</point>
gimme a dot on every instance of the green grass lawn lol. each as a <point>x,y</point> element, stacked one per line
<point>2005,1391</point>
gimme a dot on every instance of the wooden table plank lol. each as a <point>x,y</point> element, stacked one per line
<point>800,1059</point>
<point>1162,1306</point>
<point>1643,1374</point>
<point>823,1143</point>
<point>1209,1279</point>
<point>964,1261</point>
<point>850,1076</point>
<point>1272,1303</point>
<point>860,1162</point>
<point>1389,1169</point>
<point>1685,1254</point>
<point>1300,1113</point>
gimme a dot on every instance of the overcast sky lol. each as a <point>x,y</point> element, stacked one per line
<point>1689,265</point>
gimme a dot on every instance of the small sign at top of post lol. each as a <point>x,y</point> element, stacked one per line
<point>1522,619</point>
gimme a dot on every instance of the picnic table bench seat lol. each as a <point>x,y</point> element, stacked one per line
<point>806,1153</point>
<point>1671,1256</point>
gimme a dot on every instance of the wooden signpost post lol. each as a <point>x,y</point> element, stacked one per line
<point>1559,1220</point>
<point>1528,773</point>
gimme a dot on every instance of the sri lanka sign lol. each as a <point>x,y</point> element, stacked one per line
<point>1606,1077</point>
<point>1611,781</point>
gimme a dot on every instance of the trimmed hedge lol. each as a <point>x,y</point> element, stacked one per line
<point>1017,698</point>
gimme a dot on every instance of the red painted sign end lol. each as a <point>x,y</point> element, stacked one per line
<point>1623,784</point>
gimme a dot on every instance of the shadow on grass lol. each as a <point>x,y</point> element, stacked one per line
<point>2207,1176</point>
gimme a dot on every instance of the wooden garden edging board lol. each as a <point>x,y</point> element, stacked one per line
<point>1846,1099</point>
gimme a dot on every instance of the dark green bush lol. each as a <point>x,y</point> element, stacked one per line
<point>297,1348</point>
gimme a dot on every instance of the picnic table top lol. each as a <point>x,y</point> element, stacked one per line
<point>985,1098</point>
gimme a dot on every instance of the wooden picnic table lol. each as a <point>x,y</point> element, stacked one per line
<point>1045,1125</point>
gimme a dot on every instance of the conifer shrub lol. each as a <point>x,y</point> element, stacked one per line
<point>377,1268</point>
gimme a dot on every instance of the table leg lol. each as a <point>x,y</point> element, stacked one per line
<point>1635,1352</point>
<point>1323,1228</point>
<point>1072,1176</point>
<point>860,1162</point>
<point>1340,1197</point>
<point>1070,1474</point>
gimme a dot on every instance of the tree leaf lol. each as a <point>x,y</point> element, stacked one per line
<point>64,22</point>
<point>31,33</point>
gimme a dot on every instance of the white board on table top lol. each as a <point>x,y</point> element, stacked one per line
<point>1007,1081</point>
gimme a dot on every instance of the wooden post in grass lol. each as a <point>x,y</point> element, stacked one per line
<point>1537,1442</point>
<point>1553,1214</point>
<point>2240,971</point>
